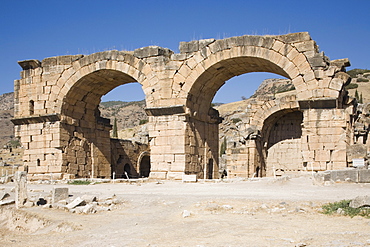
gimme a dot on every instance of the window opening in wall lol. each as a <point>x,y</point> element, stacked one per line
<point>145,167</point>
<point>210,169</point>
<point>38,162</point>
<point>32,107</point>
<point>127,171</point>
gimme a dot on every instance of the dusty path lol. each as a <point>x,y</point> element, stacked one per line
<point>250,213</point>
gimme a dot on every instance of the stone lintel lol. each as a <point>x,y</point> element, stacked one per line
<point>341,63</point>
<point>326,103</point>
<point>103,121</point>
<point>36,119</point>
<point>29,64</point>
<point>152,51</point>
<point>163,111</point>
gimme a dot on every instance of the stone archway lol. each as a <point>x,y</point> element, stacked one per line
<point>56,103</point>
<point>221,60</point>
<point>144,165</point>
<point>70,125</point>
<point>281,138</point>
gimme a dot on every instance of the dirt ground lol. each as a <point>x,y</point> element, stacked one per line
<point>263,212</point>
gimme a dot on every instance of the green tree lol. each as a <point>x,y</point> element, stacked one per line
<point>223,147</point>
<point>356,95</point>
<point>361,100</point>
<point>115,132</point>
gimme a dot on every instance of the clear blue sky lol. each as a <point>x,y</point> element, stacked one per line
<point>40,29</point>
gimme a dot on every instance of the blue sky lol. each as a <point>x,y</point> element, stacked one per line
<point>40,29</point>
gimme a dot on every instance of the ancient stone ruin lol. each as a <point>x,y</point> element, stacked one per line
<point>58,121</point>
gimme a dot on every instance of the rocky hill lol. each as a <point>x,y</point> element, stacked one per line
<point>360,83</point>
<point>128,114</point>
<point>6,114</point>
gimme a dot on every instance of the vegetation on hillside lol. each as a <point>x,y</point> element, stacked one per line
<point>352,86</point>
<point>119,103</point>
<point>223,147</point>
<point>355,72</point>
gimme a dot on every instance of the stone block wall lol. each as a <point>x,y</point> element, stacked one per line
<point>242,161</point>
<point>179,88</point>
<point>168,146</point>
<point>126,156</point>
<point>202,149</point>
<point>324,139</point>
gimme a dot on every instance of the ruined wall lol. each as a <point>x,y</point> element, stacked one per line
<point>284,145</point>
<point>203,149</point>
<point>126,156</point>
<point>168,146</point>
<point>65,92</point>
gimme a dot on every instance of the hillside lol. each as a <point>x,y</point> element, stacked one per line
<point>6,114</point>
<point>128,114</point>
<point>360,83</point>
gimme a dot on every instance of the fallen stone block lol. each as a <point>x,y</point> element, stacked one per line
<point>3,195</point>
<point>360,201</point>
<point>103,208</point>
<point>59,206</point>
<point>364,176</point>
<point>29,204</point>
<point>62,202</point>
<point>345,175</point>
<point>186,214</point>
<point>6,202</point>
<point>75,203</point>
<point>59,194</point>
<point>189,178</point>
<point>87,209</point>
<point>89,198</point>
<point>47,206</point>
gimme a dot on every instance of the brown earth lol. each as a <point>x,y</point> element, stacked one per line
<point>265,212</point>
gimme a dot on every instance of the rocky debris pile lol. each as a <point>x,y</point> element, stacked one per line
<point>5,198</point>
<point>7,101</point>
<point>88,204</point>
<point>360,202</point>
<point>59,198</point>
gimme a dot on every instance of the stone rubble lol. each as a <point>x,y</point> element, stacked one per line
<point>360,201</point>
<point>59,198</point>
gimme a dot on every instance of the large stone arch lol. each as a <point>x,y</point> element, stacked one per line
<point>80,117</point>
<point>319,83</point>
<point>56,99</point>
<point>111,69</point>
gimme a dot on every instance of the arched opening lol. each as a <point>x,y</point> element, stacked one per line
<point>245,156</point>
<point>282,133</point>
<point>237,160</point>
<point>144,168</point>
<point>127,171</point>
<point>31,106</point>
<point>88,152</point>
<point>242,87</point>
<point>210,169</point>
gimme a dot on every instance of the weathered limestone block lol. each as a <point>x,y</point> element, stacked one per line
<point>152,51</point>
<point>336,84</point>
<point>20,189</point>
<point>59,194</point>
